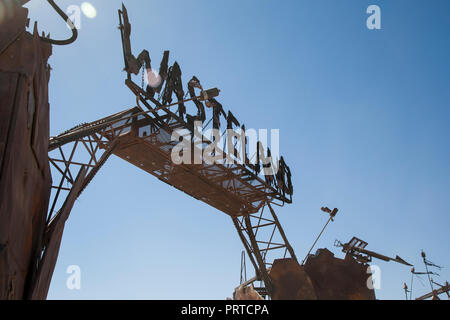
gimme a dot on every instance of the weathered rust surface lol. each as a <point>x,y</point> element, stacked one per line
<point>290,281</point>
<point>14,20</point>
<point>323,277</point>
<point>227,192</point>
<point>338,279</point>
<point>25,178</point>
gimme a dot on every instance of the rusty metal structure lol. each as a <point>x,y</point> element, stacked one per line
<point>357,249</point>
<point>339,279</point>
<point>434,293</point>
<point>321,277</point>
<point>25,175</point>
<point>142,136</point>
<point>41,177</point>
<point>25,178</point>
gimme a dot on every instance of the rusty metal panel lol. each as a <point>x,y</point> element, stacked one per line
<point>323,277</point>
<point>14,207</point>
<point>8,85</point>
<point>338,279</point>
<point>40,124</point>
<point>290,281</point>
<point>14,21</point>
<point>25,181</point>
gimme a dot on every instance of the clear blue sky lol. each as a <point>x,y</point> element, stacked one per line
<point>363,118</point>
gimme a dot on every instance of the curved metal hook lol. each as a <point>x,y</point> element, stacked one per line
<point>68,21</point>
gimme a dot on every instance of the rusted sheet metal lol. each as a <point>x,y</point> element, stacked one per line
<point>12,23</point>
<point>323,277</point>
<point>25,179</point>
<point>53,237</point>
<point>338,279</point>
<point>8,86</point>
<point>290,281</point>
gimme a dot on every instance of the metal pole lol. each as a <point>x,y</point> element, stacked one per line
<point>317,239</point>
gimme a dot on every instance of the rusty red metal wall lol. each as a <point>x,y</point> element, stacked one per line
<point>338,279</point>
<point>322,277</point>
<point>290,281</point>
<point>25,179</point>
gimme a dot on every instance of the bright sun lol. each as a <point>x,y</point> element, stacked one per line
<point>88,10</point>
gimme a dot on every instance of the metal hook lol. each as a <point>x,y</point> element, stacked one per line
<point>68,21</point>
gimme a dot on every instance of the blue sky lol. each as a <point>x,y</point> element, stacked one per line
<point>363,118</point>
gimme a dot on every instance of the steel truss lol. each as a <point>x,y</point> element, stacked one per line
<point>264,240</point>
<point>85,147</point>
<point>89,146</point>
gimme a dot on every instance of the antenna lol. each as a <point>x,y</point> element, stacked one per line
<point>427,264</point>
